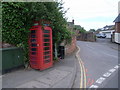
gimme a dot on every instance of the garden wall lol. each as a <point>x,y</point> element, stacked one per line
<point>69,48</point>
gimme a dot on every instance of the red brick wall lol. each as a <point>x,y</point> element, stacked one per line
<point>71,47</point>
<point>117,27</point>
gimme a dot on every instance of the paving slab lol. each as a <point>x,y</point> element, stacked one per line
<point>33,84</point>
<point>53,77</point>
<point>61,75</point>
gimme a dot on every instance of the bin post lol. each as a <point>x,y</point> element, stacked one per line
<point>62,52</point>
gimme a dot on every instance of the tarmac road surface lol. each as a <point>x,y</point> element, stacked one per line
<point>100,60</point>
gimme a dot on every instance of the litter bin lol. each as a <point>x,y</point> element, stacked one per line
<point>62,52</point>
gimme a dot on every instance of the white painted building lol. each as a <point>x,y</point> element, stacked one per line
<point>108,30</point>
<point>117,38</point>
<point>108,33</point>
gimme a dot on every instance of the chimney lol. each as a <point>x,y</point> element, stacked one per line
<point>73,21</point>
<point>119,7</point>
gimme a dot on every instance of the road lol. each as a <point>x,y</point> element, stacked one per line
<point>101,65</point>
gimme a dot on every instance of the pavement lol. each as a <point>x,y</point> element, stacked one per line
<point>61,75</point>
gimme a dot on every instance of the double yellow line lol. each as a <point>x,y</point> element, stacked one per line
<point>82,70</point>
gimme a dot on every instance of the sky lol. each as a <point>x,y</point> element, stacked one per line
<point>91,14</point>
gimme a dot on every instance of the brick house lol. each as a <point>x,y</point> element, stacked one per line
<point>117,29</point>
<point>117,26</point>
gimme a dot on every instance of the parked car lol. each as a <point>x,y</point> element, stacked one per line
<point>101,35</point>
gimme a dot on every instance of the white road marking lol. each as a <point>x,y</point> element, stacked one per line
<point>93,86</point>
<point>107,74</point>
<point>112,70</point>
<point>116,67</point>
<point>100,80</point>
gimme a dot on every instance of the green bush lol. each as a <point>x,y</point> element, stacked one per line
<point>17,19</point>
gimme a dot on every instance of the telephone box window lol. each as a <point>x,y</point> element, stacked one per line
<point>33,36</point>
<point>46,44</point>
<point>46,57</point>
<point>33,31</point>
<point>46,35</point>
<point>46,31</point>
<point>33,45</point>
<point>33,40</point>
<point>33,49</point>
<point>45,53</point>
<point>46,40</point>
<point>46,48</point>
<point>33,53</point>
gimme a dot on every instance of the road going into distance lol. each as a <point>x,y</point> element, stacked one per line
<point>100,65</point>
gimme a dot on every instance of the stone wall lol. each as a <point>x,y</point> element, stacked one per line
<point>69,48</point>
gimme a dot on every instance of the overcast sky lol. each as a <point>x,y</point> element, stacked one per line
<point>92,14</point>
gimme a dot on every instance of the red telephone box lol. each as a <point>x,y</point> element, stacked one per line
<point>40,46</point>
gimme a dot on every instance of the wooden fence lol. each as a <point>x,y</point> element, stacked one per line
<point>90,36</point>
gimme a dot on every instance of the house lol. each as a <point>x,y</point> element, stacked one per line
<point>117,29</point>
<point>71,25</point>
<point>117,26</point>
<point>73,28</point>
<point>108,30</point>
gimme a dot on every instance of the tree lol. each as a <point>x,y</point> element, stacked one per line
<point>92,30</point>
<point>81,29</point>
<point>17,18</point>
